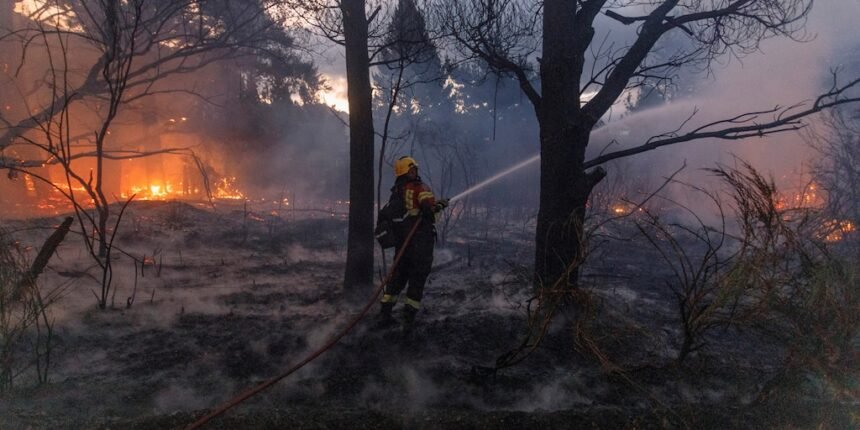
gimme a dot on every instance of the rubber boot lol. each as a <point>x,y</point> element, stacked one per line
<point>384,319</point>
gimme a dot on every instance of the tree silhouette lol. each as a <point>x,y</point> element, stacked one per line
<point>552,44</point>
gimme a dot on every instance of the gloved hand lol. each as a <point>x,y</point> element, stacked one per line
<point>440,205</point>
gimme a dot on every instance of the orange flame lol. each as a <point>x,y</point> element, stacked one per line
<point>836,230</point>
<point>226,189</point>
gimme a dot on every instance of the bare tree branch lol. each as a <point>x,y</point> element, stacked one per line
<point>784,120</point>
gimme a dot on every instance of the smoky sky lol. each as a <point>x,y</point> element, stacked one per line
<point>783,72</point>
<point>311,156</point>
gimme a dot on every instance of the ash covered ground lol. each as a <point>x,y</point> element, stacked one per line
<point>230,298</point>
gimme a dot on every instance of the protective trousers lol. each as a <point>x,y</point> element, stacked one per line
<point>413,268</point>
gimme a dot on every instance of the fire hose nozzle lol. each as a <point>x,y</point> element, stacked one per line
<point>441,204</point>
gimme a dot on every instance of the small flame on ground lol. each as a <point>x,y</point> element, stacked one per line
<point>836,230</point>
<point>226,189</point>
<point>806,198</point>
<point>29,184</point>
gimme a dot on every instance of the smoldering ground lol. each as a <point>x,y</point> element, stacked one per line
<point>235,310</point>
<point>228,300</point>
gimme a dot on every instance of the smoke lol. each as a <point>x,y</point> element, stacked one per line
<point>443,256</point>
<point>420,388</point>
<point>415,390</point>
<point>177,398</point>
<point>784,73</point>
<point>562,393</point>
<point>298,253</point>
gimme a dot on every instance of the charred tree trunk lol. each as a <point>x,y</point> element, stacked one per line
<point>564,134</point>
<point>560,215</point>
<point>359,253</point>
<point>564,191</point>
<point>44,255</point>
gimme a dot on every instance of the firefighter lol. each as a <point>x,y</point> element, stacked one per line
<point>414,265</point>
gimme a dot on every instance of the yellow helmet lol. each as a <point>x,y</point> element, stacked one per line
<point>403,164</point>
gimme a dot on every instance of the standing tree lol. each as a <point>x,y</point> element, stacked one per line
<point>346,23</point>
<point>124,51</point>
<point>553,42</point>
<point>359,253</point>
<point>367,43</point>
<point>410,64</point>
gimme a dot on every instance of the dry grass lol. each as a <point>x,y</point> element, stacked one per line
<point>16,316</point>
<point>788,284</point>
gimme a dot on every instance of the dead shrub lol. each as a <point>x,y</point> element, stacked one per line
<point>25,323</point>
<point>698,257</point>
<point>788,284</point>
<point>14,318</point>
<point>24,326</point>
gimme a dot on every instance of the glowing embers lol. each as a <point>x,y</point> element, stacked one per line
<point>30,185</point>
<point>808,197</point>
<point>623,208</point>
<point>142,189</point>
<point>836,230</point>
<point>152,192</point>
<point>225,188</point>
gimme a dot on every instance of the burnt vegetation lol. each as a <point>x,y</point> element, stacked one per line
<point>660,334</point>
<point>184,218</point>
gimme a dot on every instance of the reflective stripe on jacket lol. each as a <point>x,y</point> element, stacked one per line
<point>417,195</point>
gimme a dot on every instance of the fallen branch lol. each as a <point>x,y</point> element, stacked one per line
<point>48,249</point>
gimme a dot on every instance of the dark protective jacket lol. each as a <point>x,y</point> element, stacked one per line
<point>417,259</point>
<point>417,196</point>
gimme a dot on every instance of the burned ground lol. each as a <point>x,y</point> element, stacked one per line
<point>230,298</point>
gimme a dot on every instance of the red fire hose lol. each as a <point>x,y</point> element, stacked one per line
<point>334,340</point>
